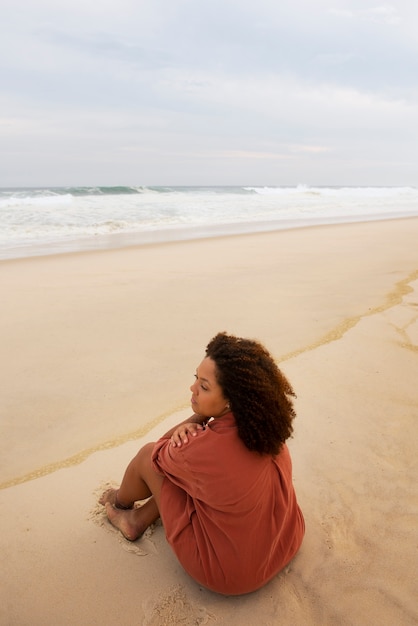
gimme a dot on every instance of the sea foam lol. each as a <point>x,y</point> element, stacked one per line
<point>53,220</point>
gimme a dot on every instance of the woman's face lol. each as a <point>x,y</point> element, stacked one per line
<point>208,399</point>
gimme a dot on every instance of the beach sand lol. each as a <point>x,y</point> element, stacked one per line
<point>99,350</point>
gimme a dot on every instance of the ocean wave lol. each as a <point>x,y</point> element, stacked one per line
<point>46,216</point>
<point>34,200</point>
<point>338,192</point>
<point>60,195</point>
<point>104,191</point>
<point>27,194</point>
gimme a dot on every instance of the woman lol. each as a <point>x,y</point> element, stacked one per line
<point>222,480</point>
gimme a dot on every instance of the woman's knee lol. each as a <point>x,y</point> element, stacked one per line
<point>152,478</point>
<point>145,453</point>
<point>143,462</point>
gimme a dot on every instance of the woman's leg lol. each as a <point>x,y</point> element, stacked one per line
<point>140,481</point>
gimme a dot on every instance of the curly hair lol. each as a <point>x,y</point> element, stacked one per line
<point>258,392</point>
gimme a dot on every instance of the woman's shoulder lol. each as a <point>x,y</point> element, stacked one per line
<point>222,424</point>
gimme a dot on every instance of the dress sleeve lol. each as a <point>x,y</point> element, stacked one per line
<point>190,466</point>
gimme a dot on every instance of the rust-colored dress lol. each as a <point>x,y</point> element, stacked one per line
<point>229,514</point>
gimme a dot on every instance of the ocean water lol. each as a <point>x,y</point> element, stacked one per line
<point>39,221</point>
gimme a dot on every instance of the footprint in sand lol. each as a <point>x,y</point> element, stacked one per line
<point>173,608</point>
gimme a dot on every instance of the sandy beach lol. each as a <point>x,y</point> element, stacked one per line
<point>99,350</point>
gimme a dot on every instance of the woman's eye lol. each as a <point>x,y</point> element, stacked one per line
<point>201,386</point>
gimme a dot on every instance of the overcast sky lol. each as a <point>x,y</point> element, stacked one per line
<point>208,92</point>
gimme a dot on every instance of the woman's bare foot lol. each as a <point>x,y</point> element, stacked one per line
<point>108,496</point>
<point>111,496</point>
<point>129,522</point>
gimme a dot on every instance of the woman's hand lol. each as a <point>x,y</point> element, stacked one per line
<point>181,434</point>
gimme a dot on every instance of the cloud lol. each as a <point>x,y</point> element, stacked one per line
<point>383,14</point>
<point>309,149</point>
<point>290,82</point>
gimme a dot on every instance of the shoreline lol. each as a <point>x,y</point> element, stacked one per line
<point>120,241</point>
